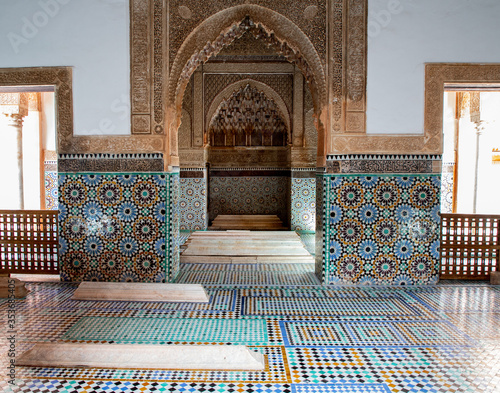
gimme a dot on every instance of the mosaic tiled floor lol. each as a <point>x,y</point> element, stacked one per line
<point>316,339</point>
<point>248,274</point>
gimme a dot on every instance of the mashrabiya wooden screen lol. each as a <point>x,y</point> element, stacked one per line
<point>28,241</point>
<point>469,246</point>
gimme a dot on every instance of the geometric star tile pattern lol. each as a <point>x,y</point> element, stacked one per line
<point>303,204</point>
<point>382,229</point>
<point>114,227</point>
<point>193,204</point>
<point>51,190</point>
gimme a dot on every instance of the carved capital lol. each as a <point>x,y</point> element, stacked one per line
<point>15,104</point>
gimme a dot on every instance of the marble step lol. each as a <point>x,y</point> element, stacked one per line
<point>260,227</point>
<point>242,252</point>
<point>215,242</point>
<point>246,259</point>
<point>247,216</point>
<point>140,292</point>
<point>244,233</point>
<point>260,222</point>
<point>143,356</point>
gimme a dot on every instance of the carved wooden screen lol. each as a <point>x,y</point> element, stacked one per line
<point>28,241</point>
<point>469,246</point>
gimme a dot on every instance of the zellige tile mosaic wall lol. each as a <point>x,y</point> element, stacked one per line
<point>118,226</point>
<point>249,195</point>
<point>382,229</point>
<point>51,190</point>
<point>303,204</point>
<point>193,204</point>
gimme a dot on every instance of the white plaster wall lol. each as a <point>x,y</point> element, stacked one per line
<point>92,36</point>
<point>406,34</point>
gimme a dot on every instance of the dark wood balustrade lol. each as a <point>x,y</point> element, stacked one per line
<point>470,246</point>
<point>28,241</point>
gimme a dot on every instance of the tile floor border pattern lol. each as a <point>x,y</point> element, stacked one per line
<point>247,274</point>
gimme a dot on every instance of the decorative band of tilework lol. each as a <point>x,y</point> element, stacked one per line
<point>250,173</point>
<point>192,173</point>
<point>304,175</point>
<point>448,167</point>
<point>50,166</point>
<point>110,162</point>
<point>376,163</point>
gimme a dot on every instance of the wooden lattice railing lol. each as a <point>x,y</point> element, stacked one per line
<point>28,241</point>
<point>470,246</point>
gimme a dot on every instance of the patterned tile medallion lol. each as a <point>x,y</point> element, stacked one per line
<point>193,204</point>
<point>382,229</point>
<point>117,227</point>
<point>303,204</point>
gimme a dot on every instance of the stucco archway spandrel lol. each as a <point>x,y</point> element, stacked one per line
<point>218,25</point>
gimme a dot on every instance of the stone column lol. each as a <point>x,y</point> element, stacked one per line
<point>14,106</point>
<point>198,112</point>
<point>298,109</point>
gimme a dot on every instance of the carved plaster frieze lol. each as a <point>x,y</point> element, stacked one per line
<point>148,64</point>
<point>395,144</point>
<point>115,144</point>
<point>389,163</point>
<point>280,82</point>
<point>355,72</point>
<point>310,20</point>
<point>110,163</point>
<point>303,157</point>
<point>192,158</point>
<point>278,157</point>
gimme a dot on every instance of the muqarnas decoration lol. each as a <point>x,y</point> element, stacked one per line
<point>248,118</point>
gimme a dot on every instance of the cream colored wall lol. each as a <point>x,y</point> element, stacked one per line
<point>92,36</point>
<point>403,35</point>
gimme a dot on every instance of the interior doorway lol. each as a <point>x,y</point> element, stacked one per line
<point>29,204</point>
<point>471,157</point>
<point>28,147</point>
